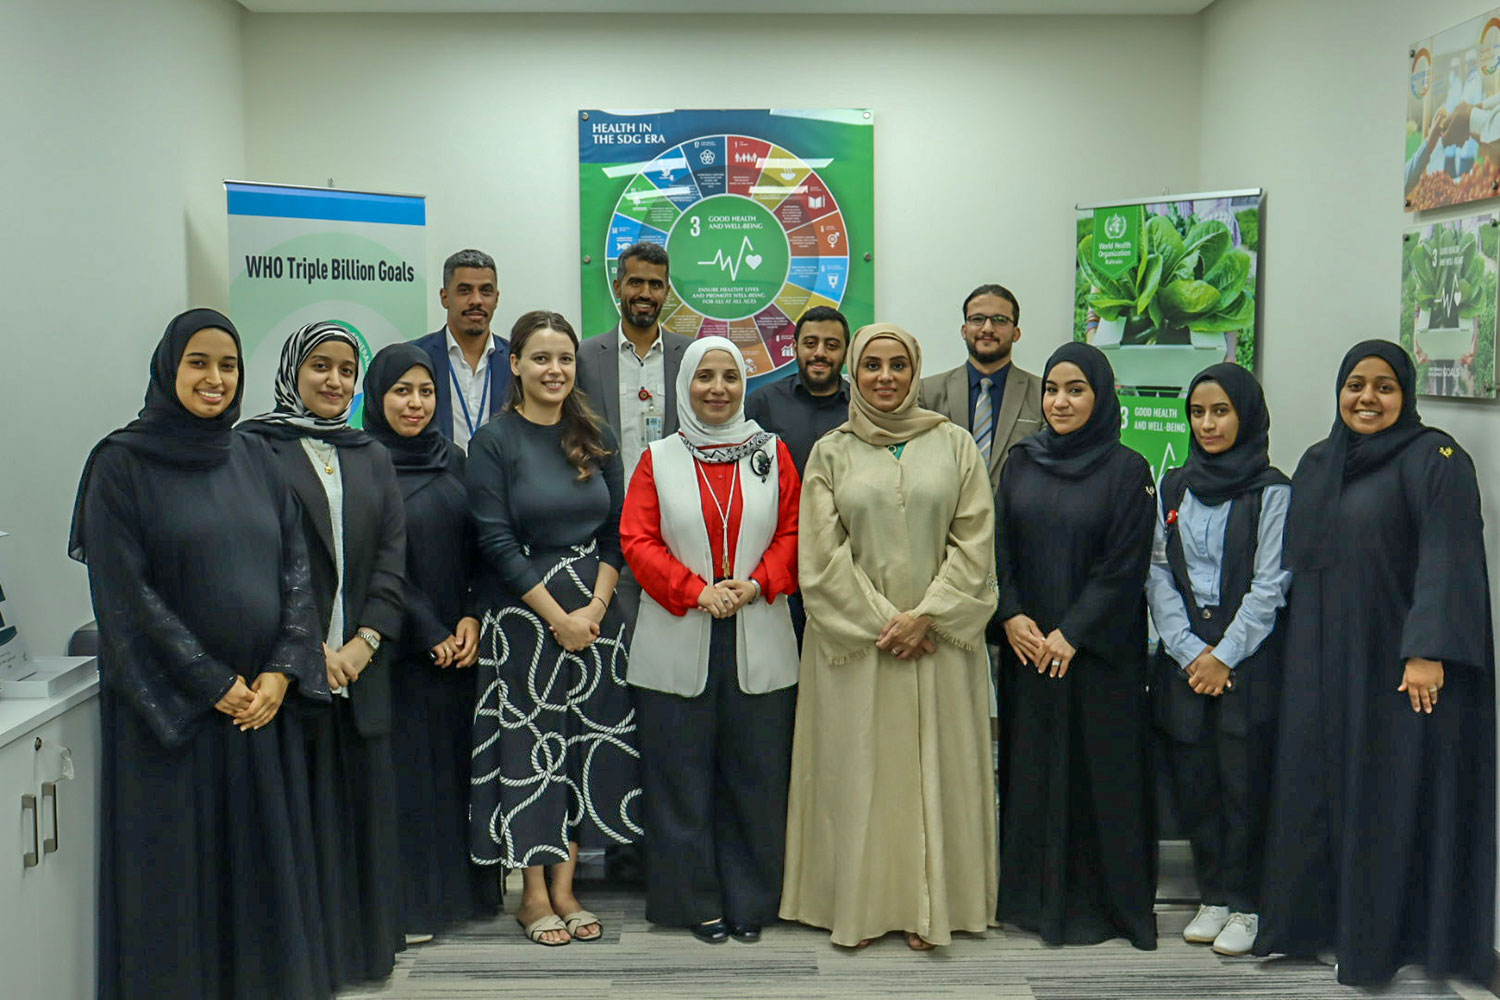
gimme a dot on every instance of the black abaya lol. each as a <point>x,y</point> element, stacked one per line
<point>1077,860</point>
<point>1382,843</point>
<point>207,886</point>
<point>431,725</point>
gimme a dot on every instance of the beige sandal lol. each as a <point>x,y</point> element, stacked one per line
<point>582,918</point>
<point>541,925</point>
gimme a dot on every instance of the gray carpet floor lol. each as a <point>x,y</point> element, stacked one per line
<point>636,960</point>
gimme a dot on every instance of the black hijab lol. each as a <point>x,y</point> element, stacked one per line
<point>1246,467</point>
<point>1075,455</point>
<point>166,432</point>
<point>417,459</point>
<point>1344,455</point>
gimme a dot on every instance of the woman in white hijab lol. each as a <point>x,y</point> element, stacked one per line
<point>710,531</point>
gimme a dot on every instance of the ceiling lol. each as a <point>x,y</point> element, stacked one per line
<point>743,7</point>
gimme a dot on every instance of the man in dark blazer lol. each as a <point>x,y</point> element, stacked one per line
<point>470,365</point>
<point>1006,401</point>
<point>630,373</point>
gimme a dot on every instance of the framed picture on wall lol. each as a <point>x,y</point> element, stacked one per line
<point>1448,301</point>
<point>1453,116</point>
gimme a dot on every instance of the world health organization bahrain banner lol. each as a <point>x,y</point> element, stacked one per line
<point>765,214</point>
<point>297,255</point>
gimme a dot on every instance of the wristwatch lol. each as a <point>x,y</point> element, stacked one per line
<point>371,638</point>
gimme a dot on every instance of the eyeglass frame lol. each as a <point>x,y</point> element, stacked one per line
<point>1000,321</point>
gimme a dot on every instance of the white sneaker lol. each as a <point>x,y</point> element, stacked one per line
<point>1238,935</point>
<point>418,938</point>
<point>1205,927</point>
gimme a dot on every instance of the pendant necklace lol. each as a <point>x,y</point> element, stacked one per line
<point>723,510</point>
<point>325,457</point>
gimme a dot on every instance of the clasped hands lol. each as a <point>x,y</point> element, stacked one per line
<point>905,637</point>
<point>1051,654</point>
<point>252,706</point>
<point>461,648</point>
<point>576,629</point>
<point>725,598</point>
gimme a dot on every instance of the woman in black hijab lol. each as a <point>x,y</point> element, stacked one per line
<point>1382,840</point>
<point>432,687</point>
<point>1216,589</point>
<point>199,579</point>
<point>1077,862</point>
<point>354,526</point>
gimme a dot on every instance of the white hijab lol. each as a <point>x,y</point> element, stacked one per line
<point>737,430</point>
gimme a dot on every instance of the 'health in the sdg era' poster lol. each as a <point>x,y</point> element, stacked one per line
<point>1165,289</point>
<point>765,213</point>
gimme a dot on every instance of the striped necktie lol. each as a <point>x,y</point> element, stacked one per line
<point>984,420</point>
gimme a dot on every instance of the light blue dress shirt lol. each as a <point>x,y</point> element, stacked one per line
<point>1202,529</point>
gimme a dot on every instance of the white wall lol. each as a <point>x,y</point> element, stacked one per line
<point>1307,100</point>
<point>978,125</point>
<point>120,121</point>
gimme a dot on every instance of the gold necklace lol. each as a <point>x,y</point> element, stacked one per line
<point>326,459</point>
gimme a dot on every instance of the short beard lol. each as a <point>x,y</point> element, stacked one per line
<point>642,321</point>
<point>815,385</point>
<point>1001,355</point>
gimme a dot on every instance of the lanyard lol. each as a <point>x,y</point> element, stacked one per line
<point>484,398</point>
<point>723,509</point>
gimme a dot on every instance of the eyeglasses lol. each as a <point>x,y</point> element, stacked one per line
<point>977,321</point>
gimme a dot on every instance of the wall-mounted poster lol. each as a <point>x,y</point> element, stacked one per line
<point>765,214</point>
<point>1448,298</point>
<point>299,254</point>
<point>1453,115</point>
<point>1166,288</point>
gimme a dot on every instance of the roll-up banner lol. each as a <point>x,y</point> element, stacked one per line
<point>298,255</point>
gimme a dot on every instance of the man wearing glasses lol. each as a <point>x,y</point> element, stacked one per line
<point>998,402</point>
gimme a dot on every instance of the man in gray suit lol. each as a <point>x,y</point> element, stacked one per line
<point>998,402</point>
<point>630,373</point>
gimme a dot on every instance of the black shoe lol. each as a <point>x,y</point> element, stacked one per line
<point>713,932</point>
<point>748,933</point>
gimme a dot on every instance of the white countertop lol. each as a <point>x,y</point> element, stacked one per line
<point>19,716</point>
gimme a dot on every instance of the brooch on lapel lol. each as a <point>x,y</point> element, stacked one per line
<point>760,463</point>
<point>1446,452</point>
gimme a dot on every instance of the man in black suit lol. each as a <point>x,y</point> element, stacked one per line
<point>630,373</point>
<point>470,365</point>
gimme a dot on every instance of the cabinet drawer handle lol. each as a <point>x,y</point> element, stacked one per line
<point>32,857</point>
<point>49,791</point>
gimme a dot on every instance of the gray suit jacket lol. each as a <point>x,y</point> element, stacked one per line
<point>599,376</point>
<point>1020,411</point>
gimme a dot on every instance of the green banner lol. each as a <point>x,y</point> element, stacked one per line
<point>1117,239</point>
<point>1157,427</point>
<point>765,214</point>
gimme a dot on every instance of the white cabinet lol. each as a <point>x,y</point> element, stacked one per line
<point>49,847</point>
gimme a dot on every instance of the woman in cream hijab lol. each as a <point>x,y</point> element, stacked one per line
<point>891,821</point>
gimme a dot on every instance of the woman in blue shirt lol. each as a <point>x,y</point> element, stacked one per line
<point>1216,590</point>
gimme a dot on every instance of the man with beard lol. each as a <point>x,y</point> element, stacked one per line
<point>998,402</point>
<point>470,365</point>
<point>805,406</point>
<point>630,373</point>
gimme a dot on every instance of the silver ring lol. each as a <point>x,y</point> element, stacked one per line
<point>1057,663</point>
<point>1433,692</point>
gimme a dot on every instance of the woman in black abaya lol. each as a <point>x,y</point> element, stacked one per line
<point>354,526</point>
<point>200,584</point>
<point>1382,843</point>
<point>432,687</point>
<point>1077,861</point>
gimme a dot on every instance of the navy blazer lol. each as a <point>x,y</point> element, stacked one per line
<point>436,347</point>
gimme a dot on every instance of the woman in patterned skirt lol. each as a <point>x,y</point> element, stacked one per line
<point>555,761</point>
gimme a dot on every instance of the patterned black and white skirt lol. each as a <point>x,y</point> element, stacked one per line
<point>555,756</point>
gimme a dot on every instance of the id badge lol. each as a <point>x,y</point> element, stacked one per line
<point>650,424</point>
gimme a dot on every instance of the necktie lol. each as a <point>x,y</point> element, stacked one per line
<point>984,420</point>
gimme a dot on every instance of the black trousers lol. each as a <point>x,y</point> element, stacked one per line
<point>715,771</point>
<point>1221,786</point>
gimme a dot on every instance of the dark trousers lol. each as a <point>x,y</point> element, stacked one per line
<point>715,770</point>
<point>1220,785</point>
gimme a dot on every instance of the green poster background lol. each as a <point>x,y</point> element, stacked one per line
<point>1448,300</point>
<point>1166,289</point>
<point>765,213</point>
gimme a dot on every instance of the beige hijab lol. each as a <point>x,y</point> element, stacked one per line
<point>906,421</point>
